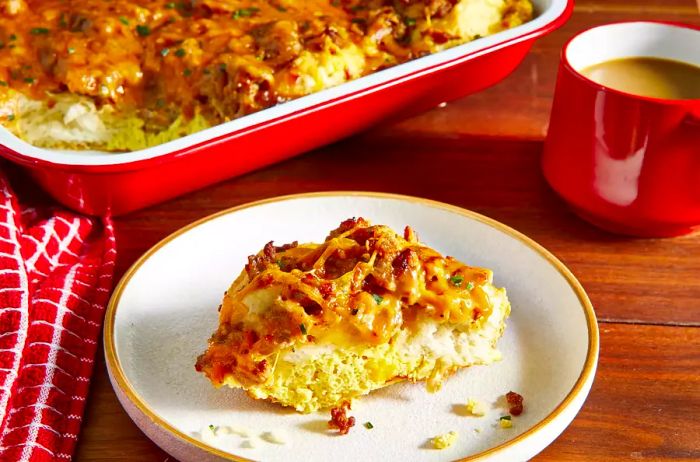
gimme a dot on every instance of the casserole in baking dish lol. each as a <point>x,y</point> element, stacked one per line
<point>95,181</point>
<point>127,75</point>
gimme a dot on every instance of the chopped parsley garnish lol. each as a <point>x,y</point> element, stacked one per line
<point>29,80</point>
<point>244,12</point>
<point>13,36</point>
<point>3,83</point>
<point>222,67</point>
<point>123,20</point>
<point>170,5</point>
<point>10,117</point>
<point>457,280</point>
<point>143,31</point>
<point>71,50</point>
<point>213,428</point>
<point>377,298</point>
<point>335,2</point>
<point>357,8</point>
<point>164,52</point>
<point>180,53</point>
<point>187,72</point>
<point>62,21</point>
<point>38,31</point>
<point>368,425</point>
<point>160,102</point>
<point>505,417</point>
<point>409,21</point>
<point>470,285</point>
<point>207,71</point>
<point>302,328</point>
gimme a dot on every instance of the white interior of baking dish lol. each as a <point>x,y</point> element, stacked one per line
<point>547,12</point>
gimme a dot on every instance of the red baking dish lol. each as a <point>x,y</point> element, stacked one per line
<point>107,183</point>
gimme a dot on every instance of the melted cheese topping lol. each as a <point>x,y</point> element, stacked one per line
<point>155,62</point>
<point>365,286</point>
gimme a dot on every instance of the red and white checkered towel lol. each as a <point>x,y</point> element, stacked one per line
<point>55,276</point>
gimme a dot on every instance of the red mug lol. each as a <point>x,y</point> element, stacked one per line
<point>629,164</point>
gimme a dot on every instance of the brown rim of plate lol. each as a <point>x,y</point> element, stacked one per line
<point>586,374</point>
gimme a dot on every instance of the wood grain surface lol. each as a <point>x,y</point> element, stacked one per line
<point>482,153</point>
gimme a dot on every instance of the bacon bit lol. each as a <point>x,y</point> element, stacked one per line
<point>476,313</point>
<point>309,279</point>
<point>266,280</point>
<point>311,307</point>
<point>285,247</point>
<point>516,403</point>
<point>260,367</point>
<point>409,234</point>
<point>340,420</point>
<point>439,37</point>
<point>298,296</point>
<point>257,263</point>
<point>269,251</point>
<point>441,8</point>
<point>371,285</point>
<point>326,289</point>
<point>401,262</point>
<point>251,337</point>
<point>361,235</point>
<point>347,225</point>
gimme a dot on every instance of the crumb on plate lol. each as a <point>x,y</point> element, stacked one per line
<point>340,419</point>
<point>515,401</point>
<point>505,422</point>
<point>250,443</point>
<point>234,430</point>
<point>475,408</point>
<point>274,437</point>
<point>444,441</point>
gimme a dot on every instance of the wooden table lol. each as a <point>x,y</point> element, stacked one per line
<point>645,402</point>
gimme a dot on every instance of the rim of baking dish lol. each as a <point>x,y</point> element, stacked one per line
<point>585,378</point>
<point>555,14</point>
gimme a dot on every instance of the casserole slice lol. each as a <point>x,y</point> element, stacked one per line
<point>311,326</point>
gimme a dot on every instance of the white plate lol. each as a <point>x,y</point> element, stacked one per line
<point>165,308</point>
